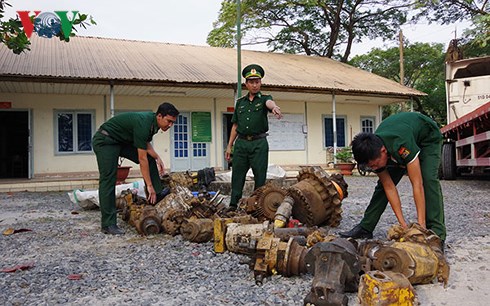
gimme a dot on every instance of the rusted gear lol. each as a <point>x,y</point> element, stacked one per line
<point>171,221</point>
<point>318,197</point>
<point>268,199</point>
<point>393,259</point>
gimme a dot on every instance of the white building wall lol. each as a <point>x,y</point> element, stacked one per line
<point>45,162</point>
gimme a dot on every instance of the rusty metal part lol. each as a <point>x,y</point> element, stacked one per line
<point>416,255</point>
<point>263,202</point>
<point>197,230</point>
<point>276,257</point>
<point>316,199</point>
<point>242,238</point>
<point>171,221</point>
<point>148,222</point>
<point>284,233</point>
<point>284,212</point>
<point>220,229</point>
<point>385,288</point>
<point>335,266</point>
<point>183,179</point>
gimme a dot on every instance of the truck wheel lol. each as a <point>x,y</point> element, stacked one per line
<point>448,161</point>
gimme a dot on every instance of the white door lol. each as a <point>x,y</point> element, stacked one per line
<point>187,155</point>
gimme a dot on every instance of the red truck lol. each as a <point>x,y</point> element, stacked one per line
<point>466,149</point>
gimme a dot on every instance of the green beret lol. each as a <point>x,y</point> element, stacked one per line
<point>253,71</point>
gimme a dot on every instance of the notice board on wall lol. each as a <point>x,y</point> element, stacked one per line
<point>201,126</point>
<point>287,134</point>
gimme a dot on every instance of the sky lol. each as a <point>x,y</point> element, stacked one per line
<point>187,21</point>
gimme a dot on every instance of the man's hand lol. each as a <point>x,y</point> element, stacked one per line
<point>277,112</point>
<point>152,195</point>
<point>228,154</point>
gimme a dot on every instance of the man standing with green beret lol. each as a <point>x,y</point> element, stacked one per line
<point>405,143</point>
<point>129,135</point>
<point>249,132</point>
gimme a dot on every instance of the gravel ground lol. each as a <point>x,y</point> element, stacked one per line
<point>165,270</point>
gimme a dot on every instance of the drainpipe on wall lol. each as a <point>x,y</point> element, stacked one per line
<point>112,98</point>
<point>334,127</point>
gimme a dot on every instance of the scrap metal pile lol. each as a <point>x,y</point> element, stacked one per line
<point>286,231</point>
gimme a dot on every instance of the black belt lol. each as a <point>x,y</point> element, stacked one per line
<point>253,137</point>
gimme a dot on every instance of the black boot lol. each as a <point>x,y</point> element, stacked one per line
<point>113,230</point>
<point>357,233</point>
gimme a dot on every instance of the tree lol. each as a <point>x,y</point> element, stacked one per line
<point>313,27</point>
<point>14,37</point>
<point>424,71</point>
<point>475,40</point>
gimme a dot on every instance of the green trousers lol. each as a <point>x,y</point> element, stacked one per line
<point>430,158</point>
<point>248,154</point>
<point>108,151</point>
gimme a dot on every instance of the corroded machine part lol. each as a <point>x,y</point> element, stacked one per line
<point>197,230</point>
<point>171,221</point>
<point>318,197</point>
<point>264,201</point>
<point>184,179</point>
<point>284,212</point>
<point>416,255</point>
<point>220,229</point>
<point>148,222</point>
<point>242,238</point>
<point>385,288</point>
<point>335,266</point>
<point>274,256</point>
<point>136,212</point>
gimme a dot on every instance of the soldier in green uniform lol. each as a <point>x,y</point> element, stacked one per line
<point>129,135</point>
<point>405,143</point>
<point>249,132</point>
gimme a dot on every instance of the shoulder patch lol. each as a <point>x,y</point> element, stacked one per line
<point>403,152</point>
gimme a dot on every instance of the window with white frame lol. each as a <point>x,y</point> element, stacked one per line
<point>367,124</point>
<point>73,131</point>
<point>328,131</point>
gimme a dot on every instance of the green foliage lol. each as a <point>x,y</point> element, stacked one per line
<point>423,70</point>
<point>344,155</point>
<point>13,36</point>
<point>312,27</point>
<point>475,40</point>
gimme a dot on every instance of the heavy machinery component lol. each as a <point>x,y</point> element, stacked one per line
<point>183,179</point>
<point>385,289</point>
<point>274,256</point>
<point>317,200</point>
<point>417,255</point>
<point>264,201</point>
<point>284,212</point>
<point>335,266</point>
<point>197,230</point>
<point>220,226</point>
<point>172,219</point>
<point>136,211</point>
<point>284,233</point>
<point>242,238</point>
<point>147,221</point>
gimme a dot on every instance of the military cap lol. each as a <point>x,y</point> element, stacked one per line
<point>253,71</point>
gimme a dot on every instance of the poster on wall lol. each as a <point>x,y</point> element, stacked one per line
<point>287,134</point>
<point>201,126</point>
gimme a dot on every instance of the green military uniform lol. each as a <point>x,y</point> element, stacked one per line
<point>122,136</point>
<point>406,136</point>
<point>251,149</point>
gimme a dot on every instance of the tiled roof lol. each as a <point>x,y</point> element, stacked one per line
<point>101,59</point>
